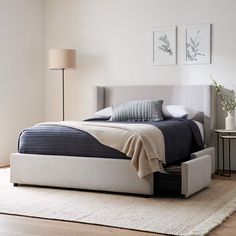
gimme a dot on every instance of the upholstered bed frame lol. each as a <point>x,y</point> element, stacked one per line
<point>117,175</point>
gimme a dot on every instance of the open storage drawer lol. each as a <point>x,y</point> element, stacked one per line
<point>193,175</point>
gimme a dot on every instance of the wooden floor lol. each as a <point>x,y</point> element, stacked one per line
<point>19,226</point>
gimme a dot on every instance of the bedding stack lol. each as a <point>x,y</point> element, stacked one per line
<point>147,139</point>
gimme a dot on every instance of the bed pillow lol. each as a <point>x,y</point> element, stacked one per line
<point>104,113</point>
<point>178,111</point>
<point>141,110</point>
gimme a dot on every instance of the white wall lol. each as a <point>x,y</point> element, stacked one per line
<point>21,73</point>
<point>113,42</point>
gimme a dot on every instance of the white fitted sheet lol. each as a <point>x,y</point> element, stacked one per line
<point>201,128</point>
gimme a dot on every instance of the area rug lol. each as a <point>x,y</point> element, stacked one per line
<point>196,215</point>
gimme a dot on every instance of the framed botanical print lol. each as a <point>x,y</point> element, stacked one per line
<point>164,45</point>
<point>198,44</point>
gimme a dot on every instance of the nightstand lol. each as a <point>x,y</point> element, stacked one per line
<point>229,138</point>
<point>225,135</point>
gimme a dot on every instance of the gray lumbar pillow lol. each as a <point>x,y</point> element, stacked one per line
<point>141,110</point>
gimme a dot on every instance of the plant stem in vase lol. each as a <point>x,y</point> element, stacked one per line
<point>228,103</point>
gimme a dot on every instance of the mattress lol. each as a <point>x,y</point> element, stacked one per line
<point>182,137</point>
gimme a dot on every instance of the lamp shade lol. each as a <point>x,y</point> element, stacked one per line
<point>62,59</point>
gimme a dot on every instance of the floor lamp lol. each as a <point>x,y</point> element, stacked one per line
<point>62,59</point>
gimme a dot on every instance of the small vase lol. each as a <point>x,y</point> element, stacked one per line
<point>229,121</point>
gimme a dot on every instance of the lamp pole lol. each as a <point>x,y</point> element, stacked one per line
<point>62,59</point>
<point>63,94</point>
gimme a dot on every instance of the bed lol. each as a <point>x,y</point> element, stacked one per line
<point>116,174</point>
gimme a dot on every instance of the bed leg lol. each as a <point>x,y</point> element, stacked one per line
<point>15,184</point>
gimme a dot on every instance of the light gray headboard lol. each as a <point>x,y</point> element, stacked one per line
<point>198,97</point>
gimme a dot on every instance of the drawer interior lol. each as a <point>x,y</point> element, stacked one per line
<point>169,182</point>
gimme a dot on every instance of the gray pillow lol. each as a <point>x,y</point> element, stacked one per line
<point>141,110</point>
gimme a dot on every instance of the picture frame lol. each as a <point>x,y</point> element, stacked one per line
<point>164,46</point>
<point>198,44</point>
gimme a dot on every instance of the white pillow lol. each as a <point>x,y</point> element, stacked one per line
<point>104,113</point>
<point>178,111</point>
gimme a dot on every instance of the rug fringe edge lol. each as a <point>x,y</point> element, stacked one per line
<point>218,218</point>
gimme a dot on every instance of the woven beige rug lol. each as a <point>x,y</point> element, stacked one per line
<point>194,216</point>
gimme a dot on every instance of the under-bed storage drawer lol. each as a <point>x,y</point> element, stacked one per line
<point>193,176</point>
<point>166,183</point>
